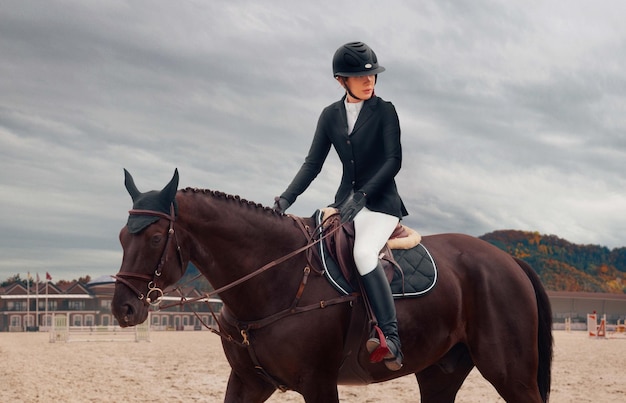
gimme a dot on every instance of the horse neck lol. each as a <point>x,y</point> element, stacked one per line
<point>230,238</point>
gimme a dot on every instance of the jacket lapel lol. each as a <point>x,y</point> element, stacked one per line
<point>366,112</point>
<point>341,108</point>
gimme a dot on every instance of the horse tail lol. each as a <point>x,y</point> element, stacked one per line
<point>544,336</point>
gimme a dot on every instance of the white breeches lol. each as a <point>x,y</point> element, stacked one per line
<point>371,232</point>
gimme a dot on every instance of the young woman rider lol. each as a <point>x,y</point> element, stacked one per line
<point>365,132</point>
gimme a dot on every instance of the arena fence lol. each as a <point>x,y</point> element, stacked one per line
<point>61,331</point>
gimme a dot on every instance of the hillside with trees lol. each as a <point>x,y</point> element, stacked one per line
<point>564,266</point>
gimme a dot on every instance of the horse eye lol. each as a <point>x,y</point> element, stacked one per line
<point>156,239</point>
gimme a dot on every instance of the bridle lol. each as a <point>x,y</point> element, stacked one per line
<point>125,277</point>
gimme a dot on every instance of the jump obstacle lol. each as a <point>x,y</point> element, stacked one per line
<point>61,331</point>
<point>600,330</point>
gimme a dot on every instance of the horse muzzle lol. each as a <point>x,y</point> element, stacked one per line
<point>127,309</point>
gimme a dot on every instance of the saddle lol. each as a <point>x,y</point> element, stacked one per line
<point>340,245</point>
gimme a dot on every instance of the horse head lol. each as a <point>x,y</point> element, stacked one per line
<point>149,241</point>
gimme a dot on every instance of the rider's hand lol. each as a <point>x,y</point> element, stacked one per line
<point>351,207</point>
<point>280,204</point>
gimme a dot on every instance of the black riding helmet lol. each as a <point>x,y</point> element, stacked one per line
<point>355,59</point>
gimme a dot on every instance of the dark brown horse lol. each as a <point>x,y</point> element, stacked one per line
<point>284,326</point>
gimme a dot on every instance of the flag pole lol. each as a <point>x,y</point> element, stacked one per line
<point>27,301</point>
<point>48,321</point>
<point>37,303</point>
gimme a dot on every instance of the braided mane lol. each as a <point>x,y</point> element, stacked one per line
<point>228,197</point>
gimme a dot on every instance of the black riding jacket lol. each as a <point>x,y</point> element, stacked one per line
<point>371,155</point>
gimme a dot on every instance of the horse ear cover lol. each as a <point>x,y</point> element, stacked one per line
<point>159,201</point>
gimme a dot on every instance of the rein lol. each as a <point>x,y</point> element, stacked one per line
<point>308,246</point>
<point>126,277</point>
<point>272,263</point>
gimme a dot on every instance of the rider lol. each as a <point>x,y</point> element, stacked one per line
<point>365,132</point>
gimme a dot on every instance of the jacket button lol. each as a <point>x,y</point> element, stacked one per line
<point>348,142</point>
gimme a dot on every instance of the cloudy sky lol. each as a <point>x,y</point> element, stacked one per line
<point>513,113</point>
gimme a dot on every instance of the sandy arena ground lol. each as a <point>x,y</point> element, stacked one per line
<point>190,367</point>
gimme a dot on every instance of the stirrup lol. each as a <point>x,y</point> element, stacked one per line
<point>377,347</point>
<point>379,353</point>
<point>379,350</point>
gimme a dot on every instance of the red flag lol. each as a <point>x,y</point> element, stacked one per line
<point>48,276</point>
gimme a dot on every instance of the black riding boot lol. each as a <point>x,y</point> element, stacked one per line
<point>380,297</point>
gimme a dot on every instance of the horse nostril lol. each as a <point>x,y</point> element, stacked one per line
<point>130,311</point>
<point>126,313</point>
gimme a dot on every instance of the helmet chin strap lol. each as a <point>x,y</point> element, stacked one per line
<point>352,95</point>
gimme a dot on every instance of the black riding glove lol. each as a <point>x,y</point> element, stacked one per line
<point>280,204</point>
<point>351,207</point>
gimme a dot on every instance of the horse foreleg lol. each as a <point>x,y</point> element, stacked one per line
<point>249,390</point>
<point>440,382</point>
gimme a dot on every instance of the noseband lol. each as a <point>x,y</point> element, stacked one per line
<point>126,276</point>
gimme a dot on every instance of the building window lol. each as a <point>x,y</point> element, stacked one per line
<point>16,321</point>
<point>164,320</point>
<point>106,304</point>
<point>105,320</point>
<point>74,305</point>
<point>77,320</point>
<point>52,305</point>
<point>155,320</point>
<point>16,305</point>
<point>89,320</point>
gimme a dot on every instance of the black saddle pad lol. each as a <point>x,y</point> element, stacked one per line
<point>419,271</point>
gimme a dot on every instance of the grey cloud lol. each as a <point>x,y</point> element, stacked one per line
<point>512,114</point>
